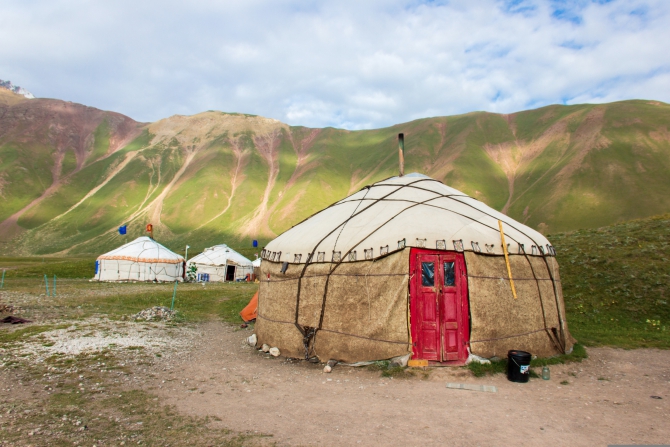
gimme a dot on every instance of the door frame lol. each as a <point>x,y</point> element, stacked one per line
<point>228,267</point>
<point>463,314</point>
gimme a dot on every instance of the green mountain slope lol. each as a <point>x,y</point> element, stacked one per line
<point>70,174</point>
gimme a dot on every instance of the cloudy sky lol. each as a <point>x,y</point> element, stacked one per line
<point>348,63</point>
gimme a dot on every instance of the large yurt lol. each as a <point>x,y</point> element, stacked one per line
<point>409,265</point>
<point>221,263</point>
<point>143,259</point>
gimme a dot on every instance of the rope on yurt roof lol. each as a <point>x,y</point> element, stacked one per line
<point>504,338</point>
<point>309,333</point>
<point>539,294</point>
<point>558,311</point>
<point>558,307</point>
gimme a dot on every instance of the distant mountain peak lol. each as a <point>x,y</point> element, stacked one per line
<point>16,89</point>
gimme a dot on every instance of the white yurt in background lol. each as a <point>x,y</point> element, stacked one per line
<point>221,263</point>
<point>143,259</point>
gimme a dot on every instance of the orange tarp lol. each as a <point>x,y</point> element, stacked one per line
<point>249,312</point>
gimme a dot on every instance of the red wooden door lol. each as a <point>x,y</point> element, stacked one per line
<point>438,306</point>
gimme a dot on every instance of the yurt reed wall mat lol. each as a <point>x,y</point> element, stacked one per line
<point>344,284</point>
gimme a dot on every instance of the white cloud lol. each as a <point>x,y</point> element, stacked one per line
<point>353,64</point>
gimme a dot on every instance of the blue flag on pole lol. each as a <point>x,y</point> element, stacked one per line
<point>122,230</point>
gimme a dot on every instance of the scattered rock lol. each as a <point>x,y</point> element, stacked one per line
<point>155,313</point>
<point>329,366</point>
<point>8,309</point>
<point>399,361</point>
<point>251,340</point>
<point>265,348</point>
<point>274,352</point>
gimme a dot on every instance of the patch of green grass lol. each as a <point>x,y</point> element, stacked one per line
<point>12,336</point>
<point>500,366</point>
<point>390,370</point>
<point>398,372</point>
<point>36,267</point>
<point>193,302</point>
<point>616,283</point>
<point>577,355</point>
<point>488,369</point>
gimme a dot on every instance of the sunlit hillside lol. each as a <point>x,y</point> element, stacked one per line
<point>71,174</point>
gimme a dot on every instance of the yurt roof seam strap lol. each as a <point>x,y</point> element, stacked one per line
<point>504,338</point>
<point>275,280</point>
<point>368,187</point>
<point>451,197</point>
<point>302,273</point>
<point>515,279</point>
<point>425,202</point>
<point>364,337</point>
<point>539,294</point>
<point>332,270</point>
<point>260,315</point>
<point>558,307</point>
<point>325,292</point>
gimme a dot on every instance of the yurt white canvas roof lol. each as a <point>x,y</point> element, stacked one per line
<point>143,249</point>
<point>220,255</point>
<point>409,211</point>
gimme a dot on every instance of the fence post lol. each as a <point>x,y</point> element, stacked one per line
<point>54,289</point>
<point>174,294</point>
<point>2,284</point>
<point>46,283</point>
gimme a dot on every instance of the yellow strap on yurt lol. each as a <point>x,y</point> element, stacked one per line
<point>509,268</point>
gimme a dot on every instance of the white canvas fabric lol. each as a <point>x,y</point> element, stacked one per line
<point>143,259</point>
<point>256,262</point>
<point>216,260</point>
<point>409,211</point>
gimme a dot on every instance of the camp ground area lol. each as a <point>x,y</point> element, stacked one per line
<point>99,365</point>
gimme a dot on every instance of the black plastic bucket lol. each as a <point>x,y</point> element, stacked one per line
<point>518,366</point>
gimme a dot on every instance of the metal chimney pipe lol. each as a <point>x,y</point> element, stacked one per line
<point>401,152</point>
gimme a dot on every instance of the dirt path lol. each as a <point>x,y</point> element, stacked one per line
<point>607,400</point>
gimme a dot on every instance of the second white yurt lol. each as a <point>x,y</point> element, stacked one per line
<point>221,263</point>
<point>143,259</point>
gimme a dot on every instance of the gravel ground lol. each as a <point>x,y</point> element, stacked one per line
<point>207,371</point>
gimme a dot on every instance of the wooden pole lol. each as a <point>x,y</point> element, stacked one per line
<point>401,153</point>
<point>509,268</point>
<point>174,295</point>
